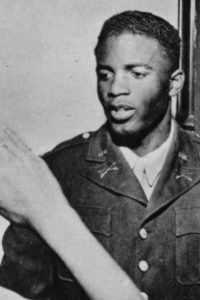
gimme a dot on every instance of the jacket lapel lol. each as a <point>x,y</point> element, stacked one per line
<point>181,172</point>
<point>106,166</point>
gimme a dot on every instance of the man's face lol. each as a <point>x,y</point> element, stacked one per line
<point>133,83</point>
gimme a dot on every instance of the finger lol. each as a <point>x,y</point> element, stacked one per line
<point>12,143</point>
<point>5,152</point>
<point>6,131</point>
<point>8,149</point>
<point>17,140</point>
<point>3,126</point>
<point>2,131</point>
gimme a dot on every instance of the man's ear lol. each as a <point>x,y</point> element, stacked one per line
<point>176,82</point>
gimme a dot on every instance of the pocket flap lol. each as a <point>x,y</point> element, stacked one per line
<point>187,220</point>
<point>97,219</point>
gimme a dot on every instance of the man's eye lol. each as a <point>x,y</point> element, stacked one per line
<point>104,76</point>
<point>138,74</point>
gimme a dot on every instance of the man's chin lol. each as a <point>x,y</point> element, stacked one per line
<point>122,130</point>
<point>126,136</point>
<point>122,135</point>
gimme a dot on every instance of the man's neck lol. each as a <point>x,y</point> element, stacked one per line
<point>153,140</point>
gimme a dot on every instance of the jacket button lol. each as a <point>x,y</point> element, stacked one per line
<point>143,266</point>
<point>144,295</point>
<point>86,135</point>
<point>143,233</point>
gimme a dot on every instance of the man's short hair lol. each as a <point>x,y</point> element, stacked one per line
<point>146,24</point>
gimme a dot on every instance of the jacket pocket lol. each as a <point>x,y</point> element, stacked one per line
<point>188,245</point>
<point>98,220</point>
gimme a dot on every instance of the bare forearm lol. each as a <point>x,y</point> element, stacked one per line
<point>93,267</point>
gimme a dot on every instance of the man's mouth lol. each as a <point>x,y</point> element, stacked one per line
<point>121,112</point>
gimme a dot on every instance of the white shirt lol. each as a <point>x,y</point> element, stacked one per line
<point>148,167</point>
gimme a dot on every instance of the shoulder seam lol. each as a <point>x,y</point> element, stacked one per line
<point>76,141</point>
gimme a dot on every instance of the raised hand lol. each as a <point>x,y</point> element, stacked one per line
<point>27,187</point>
<point>29,194</point>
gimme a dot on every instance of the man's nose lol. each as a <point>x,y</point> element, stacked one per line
<point>119,86</point>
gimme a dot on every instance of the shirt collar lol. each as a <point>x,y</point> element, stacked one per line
<point>153,161</point>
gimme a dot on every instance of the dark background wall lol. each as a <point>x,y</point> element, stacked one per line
<point>197,70</point>
<point>189,27</point>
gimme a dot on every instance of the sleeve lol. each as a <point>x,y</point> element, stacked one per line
<point>27,265</point>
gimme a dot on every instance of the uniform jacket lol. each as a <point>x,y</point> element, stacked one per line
<point>157,242</point>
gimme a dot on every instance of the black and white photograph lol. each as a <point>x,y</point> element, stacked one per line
<point>99,150</point>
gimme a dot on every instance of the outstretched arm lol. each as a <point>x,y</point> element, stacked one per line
<point>24,178</point>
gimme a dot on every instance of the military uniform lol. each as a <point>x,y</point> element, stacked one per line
<point>157,242</point>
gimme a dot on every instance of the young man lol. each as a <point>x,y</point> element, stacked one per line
<point>134,182</point>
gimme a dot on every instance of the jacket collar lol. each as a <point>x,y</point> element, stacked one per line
<point>107,167</point>
<point>181,171</point>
